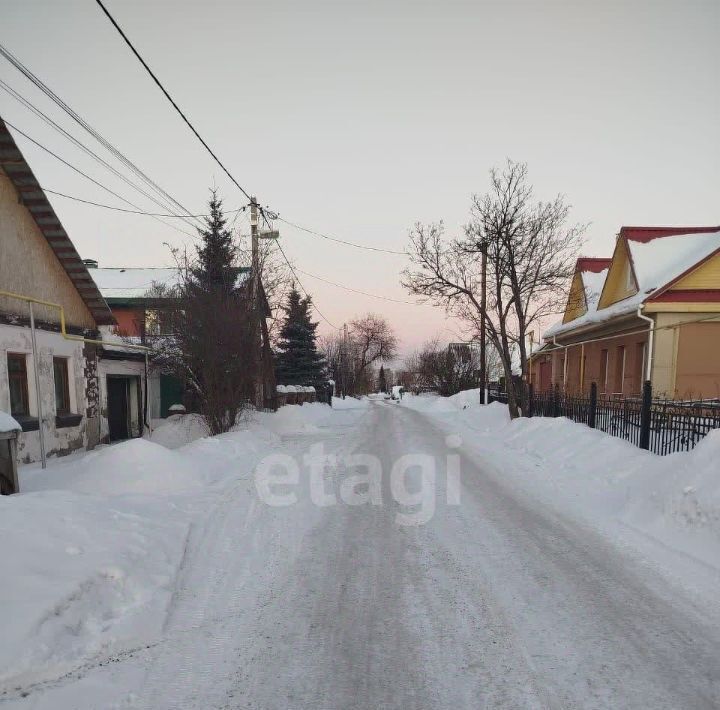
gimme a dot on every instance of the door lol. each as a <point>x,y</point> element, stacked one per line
<point>171,392</point>
<point>118,410</point>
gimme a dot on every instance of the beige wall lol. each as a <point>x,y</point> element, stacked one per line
<point>687,355</point>
<point>28,265</point>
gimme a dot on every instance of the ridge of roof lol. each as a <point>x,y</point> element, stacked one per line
<point>647,234</point>
<point>596,264</point>
<point>34,199</point>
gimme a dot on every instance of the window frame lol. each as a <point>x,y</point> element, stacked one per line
<point>63,363</point>
<point>22,376</point>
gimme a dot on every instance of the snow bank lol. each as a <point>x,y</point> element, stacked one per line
<point>81,575</point>
<point>135,466</point>
<point>667,506</point>
<point>178,430</point>
<point>93,544</point>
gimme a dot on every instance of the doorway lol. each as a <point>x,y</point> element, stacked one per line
<point>123,400</point>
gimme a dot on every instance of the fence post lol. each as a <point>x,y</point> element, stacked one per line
<point>593,405</point>
<point>556,401</point>
<point>645,415</point>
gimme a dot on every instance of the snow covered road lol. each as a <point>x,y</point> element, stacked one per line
<point>498,601</point>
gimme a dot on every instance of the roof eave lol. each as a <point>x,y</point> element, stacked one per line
<point>34,199</point>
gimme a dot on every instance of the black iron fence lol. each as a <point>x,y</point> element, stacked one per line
<point>658,425</point>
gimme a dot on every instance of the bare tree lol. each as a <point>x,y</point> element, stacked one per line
<point>447,370</point>
<point>530,256</point>
<point>374,339</point>
<point>350,360</point>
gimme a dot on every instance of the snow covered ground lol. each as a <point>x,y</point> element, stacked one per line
<point>568,569</point>
<point>669,507</point>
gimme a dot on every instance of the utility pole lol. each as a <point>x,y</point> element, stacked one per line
<point>255,297</point>
<point>483,329</point>
<point>257,314</point>
<point>345,359</point>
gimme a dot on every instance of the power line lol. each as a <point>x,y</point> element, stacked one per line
<point>354,290</point>
<point>122,209</point>
<point>85,175</point>
<point>342,241</point>
<point>170,99</point>
<point>210,151</point>
<point>88,151</point>
<point>86,126</point>
<point>302,288</point>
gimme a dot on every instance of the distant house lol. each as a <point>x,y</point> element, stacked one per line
<point>141,300</point>
<point>651,312</point>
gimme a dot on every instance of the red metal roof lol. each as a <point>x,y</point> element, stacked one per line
<point>647,234</point>
<point>593,263</point>
<point>31,195</point>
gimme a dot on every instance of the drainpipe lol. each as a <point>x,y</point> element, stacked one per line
<point>38,395</point>
<point>651,340</point>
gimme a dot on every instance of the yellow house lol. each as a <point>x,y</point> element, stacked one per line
<point>651,312</point>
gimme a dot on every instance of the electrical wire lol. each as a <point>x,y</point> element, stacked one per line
<point>341,241</point>
<point>302,288</point>
<point>85,175</point>
<point>171,100</point>
<point>122,209</point>
<point>354,290</point>
<point>86,126</point>
<point>217,160</point>
<point>49,121</point>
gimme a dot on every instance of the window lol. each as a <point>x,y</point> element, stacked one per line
<point>17,379</point>
<point>62,385</point>
<point>620,369</point>
<point>604,370</point>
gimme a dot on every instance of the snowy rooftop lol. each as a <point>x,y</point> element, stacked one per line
<point>593,283</point>
<point>656,262</point>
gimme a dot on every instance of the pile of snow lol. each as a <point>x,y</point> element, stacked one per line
<point>7,423</point>
<point>81,575</point>
<point>178,430</point>
<point>290,419</point>
<point>135,466</point>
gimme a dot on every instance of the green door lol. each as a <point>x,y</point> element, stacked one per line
<point>171,392</point>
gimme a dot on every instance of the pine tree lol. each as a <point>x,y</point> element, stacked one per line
<point>216,267</point>
<point>382,382</point>
<point>298,361</point>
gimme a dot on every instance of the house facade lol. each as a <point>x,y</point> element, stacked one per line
<point>650,312</point>
<point>48,374</point>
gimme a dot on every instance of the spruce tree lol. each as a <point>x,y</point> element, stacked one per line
<point>216,255</point>
<point>298,360</point>
<point>382,382</point>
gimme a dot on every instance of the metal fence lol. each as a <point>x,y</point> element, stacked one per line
<point>658,425</point>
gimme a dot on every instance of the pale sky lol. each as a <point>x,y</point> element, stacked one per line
<point>358,119</point>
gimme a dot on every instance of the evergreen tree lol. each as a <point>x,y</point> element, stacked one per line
<point>213,349</point>
<point>298,360</point>
<point>382,381</point>
<point>216,255</point>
